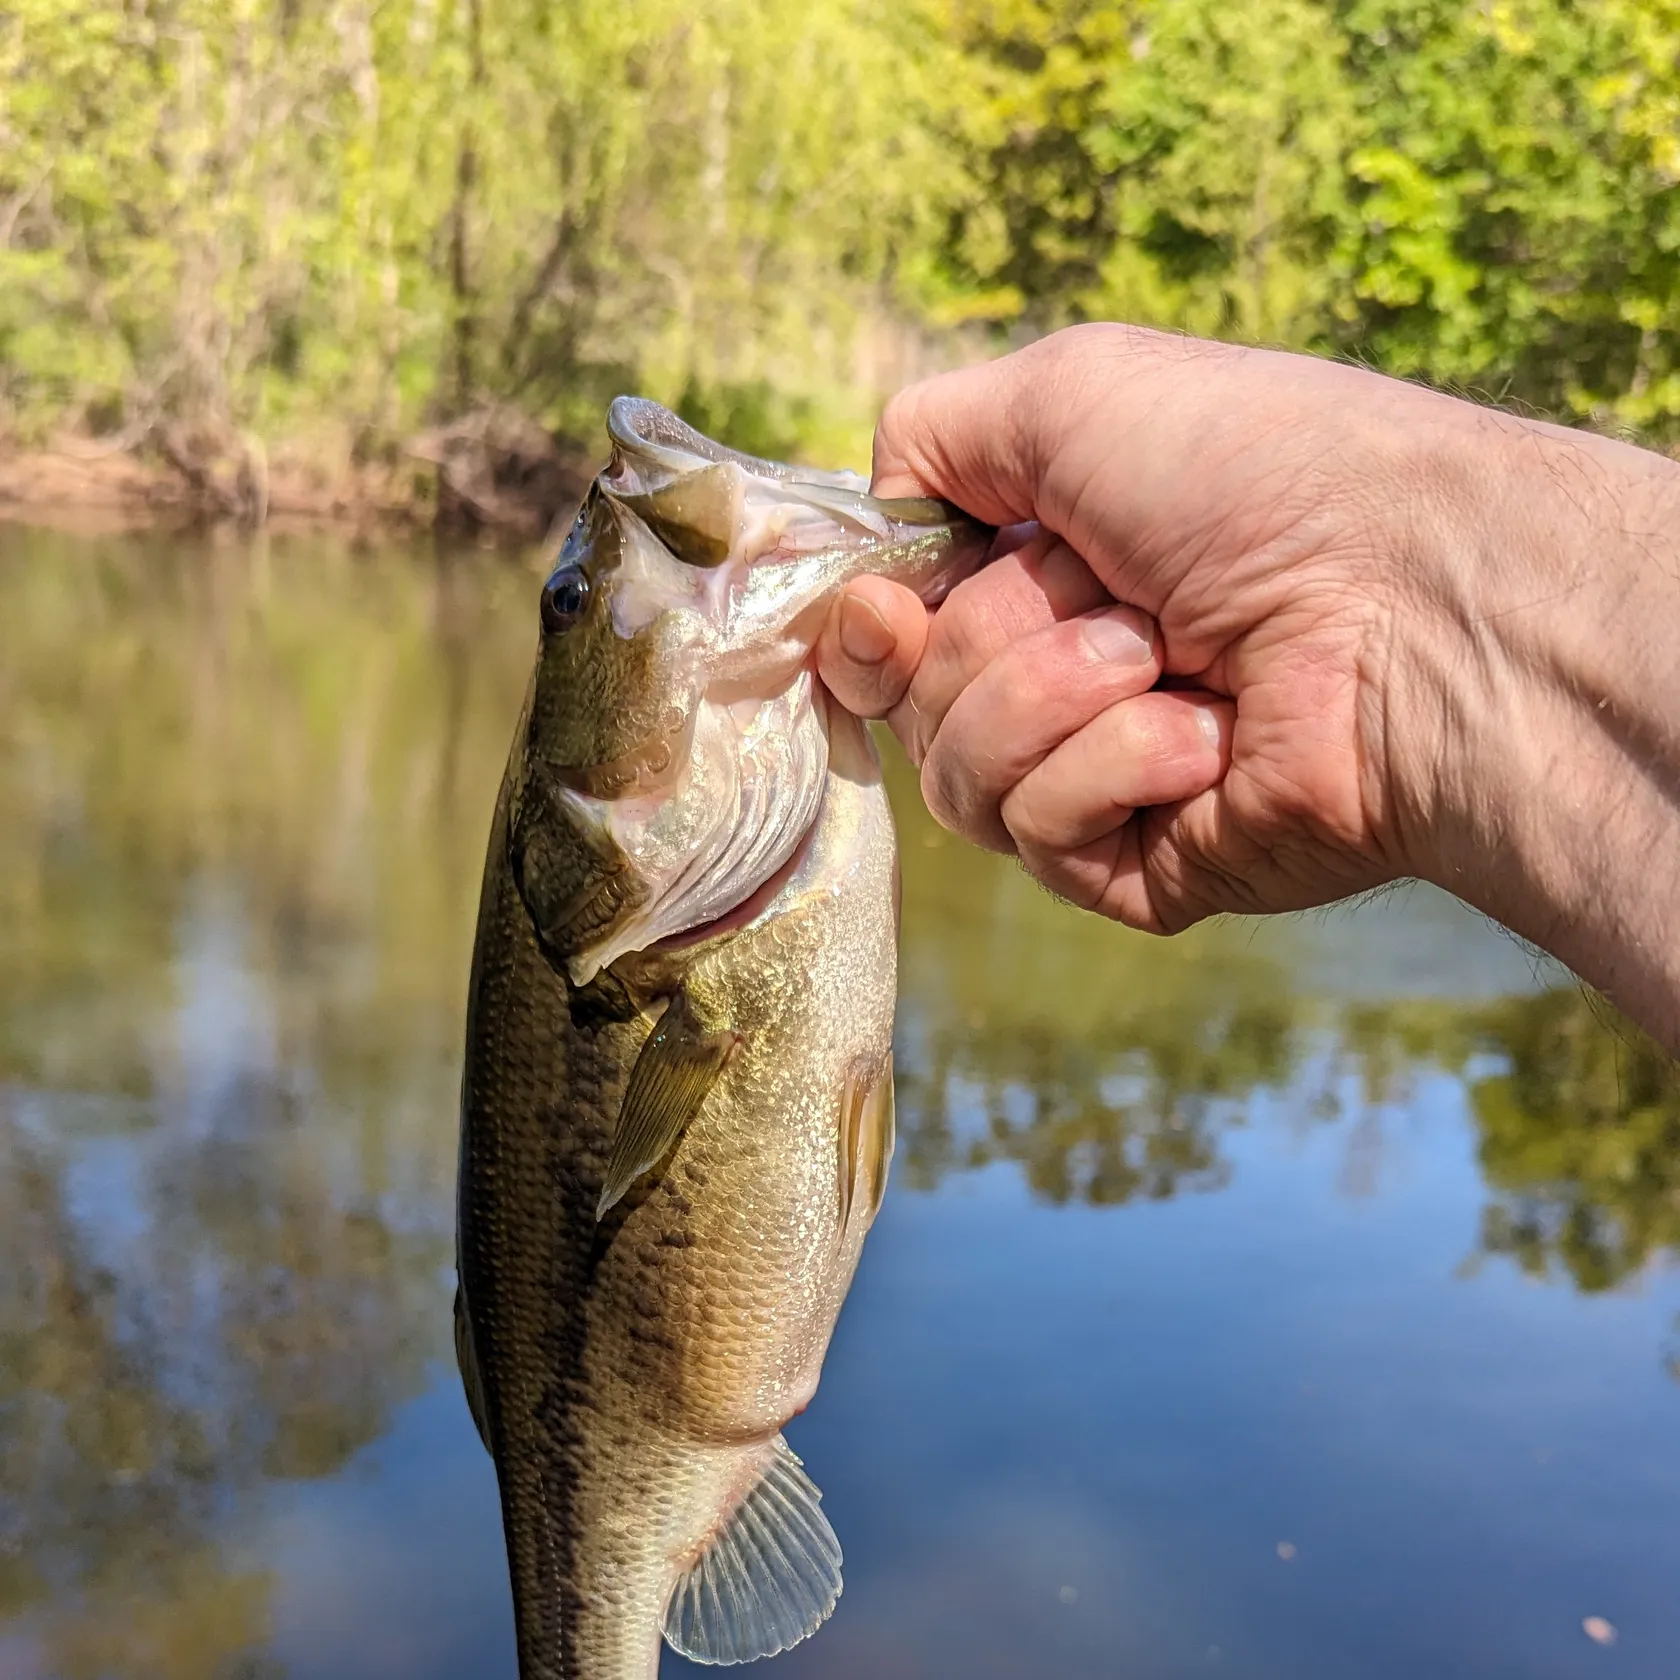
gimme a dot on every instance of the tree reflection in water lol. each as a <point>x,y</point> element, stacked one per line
<point>244,799</point>
<point>1108,1066</point>
<point>244,793</point>
<point>1579,1139</point>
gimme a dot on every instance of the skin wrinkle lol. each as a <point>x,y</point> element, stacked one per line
<point>1205,868</point>
<point>1535,605</point>
<point>1643,747</point>
<point>1648,735</point>
<point>1372,741</point>
<point>1559,662</point>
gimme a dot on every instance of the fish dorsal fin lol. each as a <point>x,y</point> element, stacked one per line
<point>867,1132</point>
<point>767,1578</point>
<point>678,1065</point>
<point>465,1358</point>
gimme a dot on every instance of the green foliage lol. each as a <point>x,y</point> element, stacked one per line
<point>1517,226</point>
<point>252,217</point>
<point>1477,194</point>
<point>754,416</point>
<point>1179,163</point>
<point>227,225</point>
<point>1580,1138</point>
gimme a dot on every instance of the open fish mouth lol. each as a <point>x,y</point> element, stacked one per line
<point>711,505</point>
<point>729,563</point>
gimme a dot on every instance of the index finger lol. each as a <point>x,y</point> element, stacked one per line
<point>877,632</point>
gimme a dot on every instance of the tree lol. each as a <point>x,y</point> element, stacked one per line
<point>1516,227</point>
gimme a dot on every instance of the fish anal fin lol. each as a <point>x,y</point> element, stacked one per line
<point>679,1063</point>
<point>867,1133</point>
<point>767,1578</point>
<point>465,1358</point>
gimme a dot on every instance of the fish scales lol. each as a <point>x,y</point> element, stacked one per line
<point>676,1103</point>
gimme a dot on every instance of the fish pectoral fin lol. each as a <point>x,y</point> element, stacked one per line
<point>465,1358</point>
<point>867,1133</point>
<point>678,1065</point>
<point>769,1576</point>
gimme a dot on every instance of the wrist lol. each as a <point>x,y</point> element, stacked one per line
<point>1534,717</point>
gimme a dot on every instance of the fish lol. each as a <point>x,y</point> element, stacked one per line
<point>677,1100</point>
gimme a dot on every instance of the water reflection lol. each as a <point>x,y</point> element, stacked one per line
<point>243,799</point>
<point>1108,1067</point>
<point>1579,1137</point>
<point>242,802</point>
<point>1105,1065</point>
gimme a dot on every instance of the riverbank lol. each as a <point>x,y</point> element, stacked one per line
<point>493,471</point>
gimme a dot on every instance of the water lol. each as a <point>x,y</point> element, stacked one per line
<point>1290,1300</point>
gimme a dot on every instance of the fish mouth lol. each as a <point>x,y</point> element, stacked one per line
<point>710,505</point>
<point>656,443</point>
<point>729,564</point>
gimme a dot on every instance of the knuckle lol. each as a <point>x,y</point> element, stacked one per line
<point>969,621</point>
<point>943,789</point>
<point>895,417</point>
<point>1009,699</point>
<point>988,614</point>
<point>913,725</point>
<point>905,441</point>
<point>1161,740</point>
<point>1020,813</point>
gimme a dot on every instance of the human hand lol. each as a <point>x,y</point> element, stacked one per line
<point>1222,492</point>
<point>1363,592</point>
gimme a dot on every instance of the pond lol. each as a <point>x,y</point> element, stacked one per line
<point>1286,1300</point>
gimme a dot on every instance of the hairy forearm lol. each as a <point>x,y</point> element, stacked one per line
<point>1538,713</point>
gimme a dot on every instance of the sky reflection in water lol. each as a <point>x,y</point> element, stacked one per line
<point>1351,1236</point>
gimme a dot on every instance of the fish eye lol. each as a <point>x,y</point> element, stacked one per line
<point>564,597</point>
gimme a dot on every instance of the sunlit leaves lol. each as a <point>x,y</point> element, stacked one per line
<point>1516,231</point>
<point>340,219</point>
<point>1479,195</point>
<point>337,221</point>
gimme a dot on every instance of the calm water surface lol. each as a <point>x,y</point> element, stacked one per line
<point>1285,1301</point>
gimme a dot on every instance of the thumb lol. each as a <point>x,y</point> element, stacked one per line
<point>1022,437</point>
<point>967,436</point>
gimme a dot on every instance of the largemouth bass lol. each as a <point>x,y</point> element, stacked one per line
<point>677,1107</point>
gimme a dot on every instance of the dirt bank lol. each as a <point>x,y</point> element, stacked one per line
<point>494,471</point>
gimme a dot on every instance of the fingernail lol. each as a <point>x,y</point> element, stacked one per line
<point>1114,636</point>
<point>1211,723</point>
<point>863,632</point>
